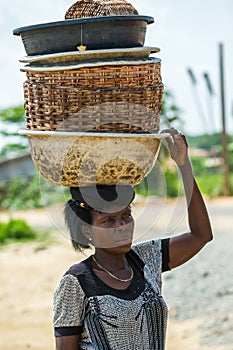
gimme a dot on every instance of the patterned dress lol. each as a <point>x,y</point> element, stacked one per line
<point>110,319</point>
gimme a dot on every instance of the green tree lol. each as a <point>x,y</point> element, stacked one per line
<point>11,120</point>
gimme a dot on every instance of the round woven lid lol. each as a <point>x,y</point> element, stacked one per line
<point>96,8</point>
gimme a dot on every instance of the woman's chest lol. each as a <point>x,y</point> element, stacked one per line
<point>120,312</point>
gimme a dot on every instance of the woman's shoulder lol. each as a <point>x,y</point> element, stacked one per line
<point>149,251</point>
<point>78,269</point>
<point>70,279</point>
<point>150,246</point>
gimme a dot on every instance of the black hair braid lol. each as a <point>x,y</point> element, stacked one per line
<point>76,216</point>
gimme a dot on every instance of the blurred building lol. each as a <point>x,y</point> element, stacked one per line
<point>18,166</point>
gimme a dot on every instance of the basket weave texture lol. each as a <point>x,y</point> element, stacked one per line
<point>96,8</point>
<point>121,98</point>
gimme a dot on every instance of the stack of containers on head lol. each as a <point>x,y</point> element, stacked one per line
<point>93,95</point>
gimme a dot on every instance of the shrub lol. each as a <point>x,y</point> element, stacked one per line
<point>16,230</point>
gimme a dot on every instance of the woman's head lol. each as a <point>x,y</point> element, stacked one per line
<point>98,205</point>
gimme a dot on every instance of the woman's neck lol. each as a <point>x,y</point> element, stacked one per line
<point>109,260</point>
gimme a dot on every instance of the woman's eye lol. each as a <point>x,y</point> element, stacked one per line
<point>107,220</point>
<point>127,217</point>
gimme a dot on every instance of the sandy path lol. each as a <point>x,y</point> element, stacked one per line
<point>30,273</point>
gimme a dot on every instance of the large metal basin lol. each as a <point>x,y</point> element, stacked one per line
<point>78,159</point>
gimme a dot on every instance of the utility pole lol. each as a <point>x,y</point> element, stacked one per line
<point>226,173</point>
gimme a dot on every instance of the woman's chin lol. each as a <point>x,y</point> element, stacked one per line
<point>124,243</point>
<point>122,247</point>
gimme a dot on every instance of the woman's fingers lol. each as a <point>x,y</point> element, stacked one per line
<point>175,135</point>
<point>170,139</point>
<point>181,138</point>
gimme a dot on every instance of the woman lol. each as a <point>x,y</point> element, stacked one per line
<point>112,300</point>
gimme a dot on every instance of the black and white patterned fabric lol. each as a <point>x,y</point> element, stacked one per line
<point>109,319</point>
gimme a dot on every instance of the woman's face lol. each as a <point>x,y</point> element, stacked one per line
<point>112,229</point>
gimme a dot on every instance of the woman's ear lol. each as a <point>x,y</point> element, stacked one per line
<point>85,229</point>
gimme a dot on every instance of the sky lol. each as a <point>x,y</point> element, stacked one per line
<point>187,33</point>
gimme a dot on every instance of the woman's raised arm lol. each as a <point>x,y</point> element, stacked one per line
<point>183,247</point>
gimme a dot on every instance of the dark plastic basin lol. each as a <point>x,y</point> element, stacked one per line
<point>93,32</point>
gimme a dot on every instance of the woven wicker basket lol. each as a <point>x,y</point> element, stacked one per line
<point>108,98</point>
<point>96,8</point>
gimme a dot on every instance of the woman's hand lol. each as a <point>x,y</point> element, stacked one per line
<point>178,146</point>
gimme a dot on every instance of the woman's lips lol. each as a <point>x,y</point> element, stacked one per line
<point>125,241</point>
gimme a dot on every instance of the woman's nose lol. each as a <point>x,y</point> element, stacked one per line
<point>120,224</point>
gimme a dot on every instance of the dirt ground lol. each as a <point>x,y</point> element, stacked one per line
<point>199,294</point>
